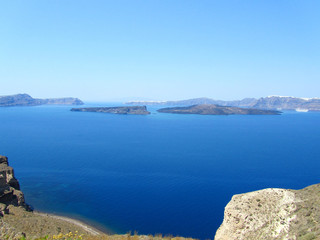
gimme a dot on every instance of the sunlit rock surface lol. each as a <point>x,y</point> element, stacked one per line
<point>272,214</point>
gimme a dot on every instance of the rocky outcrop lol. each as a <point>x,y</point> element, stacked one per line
<point>134,110</point>
<point>10,193</point>
<point>272,214</point>
<point>27,100</point>
<point>211,109</point>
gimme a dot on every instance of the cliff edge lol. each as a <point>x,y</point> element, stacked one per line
<point>272,213</point>
<point>10,193</point>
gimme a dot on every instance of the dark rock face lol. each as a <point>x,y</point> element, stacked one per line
<point>27,100</point>
<point>10,193</point>
<point>135,110</point>
<point>211,109</point>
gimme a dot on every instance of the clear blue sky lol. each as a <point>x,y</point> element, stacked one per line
<point>160,49</point>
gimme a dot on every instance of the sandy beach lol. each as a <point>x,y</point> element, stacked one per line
<point>90,229</point>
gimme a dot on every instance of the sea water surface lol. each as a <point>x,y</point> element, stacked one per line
<point>161,173</point>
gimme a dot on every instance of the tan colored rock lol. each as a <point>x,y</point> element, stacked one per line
<point>272,214</point>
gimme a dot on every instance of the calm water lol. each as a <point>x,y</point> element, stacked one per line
<point>162,173</point>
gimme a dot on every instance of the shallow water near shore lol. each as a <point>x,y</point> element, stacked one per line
<point>161,173</point>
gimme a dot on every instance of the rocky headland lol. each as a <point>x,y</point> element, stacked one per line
<point>10,193</point>
<point>273,213</point>
<point>270,102</point>
<point>212,109</point>
<point>133,110</point>
<point>27,100</point>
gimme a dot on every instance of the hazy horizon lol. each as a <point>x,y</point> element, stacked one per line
<point>128,99</point>
<point>160,50</point>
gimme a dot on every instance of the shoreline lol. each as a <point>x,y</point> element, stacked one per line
<point>85,226</point>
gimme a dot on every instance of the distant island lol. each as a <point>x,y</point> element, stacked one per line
<point>134,110</point>
<point>270,102</point>
<point>212,109</point>
<point>27,100</point>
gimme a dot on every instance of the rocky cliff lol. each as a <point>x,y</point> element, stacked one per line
<point>272,214</point>
<point>27,100</point>
<point>10,193</point>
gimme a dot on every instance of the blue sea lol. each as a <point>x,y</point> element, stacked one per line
<point>161,173</point>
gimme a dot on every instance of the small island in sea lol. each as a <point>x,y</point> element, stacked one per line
<point>132,110</point>
<point>212,109</point>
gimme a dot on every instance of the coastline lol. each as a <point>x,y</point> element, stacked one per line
<point>85,226</point>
